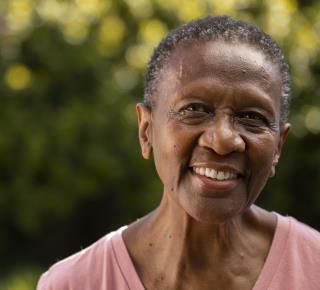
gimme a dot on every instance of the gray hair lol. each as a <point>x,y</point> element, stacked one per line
<point>218,28</point>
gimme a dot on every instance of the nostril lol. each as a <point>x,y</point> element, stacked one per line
<point>222,139</point>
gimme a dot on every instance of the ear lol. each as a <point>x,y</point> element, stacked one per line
<point>283,136</point>
<point>144,124</point>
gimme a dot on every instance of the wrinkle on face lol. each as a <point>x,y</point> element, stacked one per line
<point>224,65</point>
<point>249,64</point>
<point>227,80</point>
<point>243,55</point>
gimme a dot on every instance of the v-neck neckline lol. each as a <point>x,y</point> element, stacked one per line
<point>266,275</point>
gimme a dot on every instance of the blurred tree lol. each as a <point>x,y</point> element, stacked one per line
<point>72,71</point>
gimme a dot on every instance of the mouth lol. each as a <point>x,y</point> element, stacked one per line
<point>218,175</point>
<point>217,181</point>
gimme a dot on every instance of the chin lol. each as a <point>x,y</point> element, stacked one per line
<point>213,211</point>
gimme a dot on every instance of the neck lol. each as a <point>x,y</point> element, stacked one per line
<point>186,249</point>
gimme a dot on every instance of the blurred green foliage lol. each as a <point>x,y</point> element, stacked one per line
<point>71,74</point>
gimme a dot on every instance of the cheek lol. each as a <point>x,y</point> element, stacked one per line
<point>172,149</point>
<point>261,152</point>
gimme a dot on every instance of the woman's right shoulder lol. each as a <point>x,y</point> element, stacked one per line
<point>83,269</point>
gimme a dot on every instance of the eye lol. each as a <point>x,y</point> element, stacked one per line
<point>252,119</point>
<point>252,116</point>
<point>195,113</point>
<point>196,108</point>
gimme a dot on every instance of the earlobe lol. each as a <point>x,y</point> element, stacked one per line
<point>283,136</point>
<point>273,168</point>
<point>144,126</point>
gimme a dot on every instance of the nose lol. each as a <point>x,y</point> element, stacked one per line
<point>222,137</point>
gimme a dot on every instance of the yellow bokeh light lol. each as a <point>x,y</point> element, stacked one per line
<point>139,55</point>
<point>140,8</point>
<point>112,30</point>
<point>186,9</point>
<point>231,7</point>
<point>287,6</point>
<point>298,127</point>
<point>53,10</point>
<point>241,4</point>
<point>223,7</point>
<point>191,9</point>
<point>170,4</point>
<point>93,8</point>
<point>111,33</point>
<point>126,78</point>
<point>152,31</point>
<point>303,51</point>
<point>75,31</point>
<point>299,57</point>
<point>291,5</point>
<point>20,13</point>
<point>278,25</point>
<point>312,120</point>
<point>279,16</point>
<point>18,77</point>
<point>307,38</point>
<point>74,17</point>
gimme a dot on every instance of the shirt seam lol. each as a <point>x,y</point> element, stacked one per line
<point>118,262</point>
<point>283,253</point>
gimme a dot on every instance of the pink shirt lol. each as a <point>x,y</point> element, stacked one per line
<point>293,263</point>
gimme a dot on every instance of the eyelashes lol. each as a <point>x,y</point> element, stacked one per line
<point>196,108</point>
<point>252,118</point>
<point>192,113</point>
<point>195,113</point>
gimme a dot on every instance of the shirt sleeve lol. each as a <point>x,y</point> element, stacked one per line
<point>43,283</point>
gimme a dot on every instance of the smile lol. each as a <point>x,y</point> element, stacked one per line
<point>214,174</point>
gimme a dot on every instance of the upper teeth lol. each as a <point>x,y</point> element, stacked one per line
<point>219,175</point>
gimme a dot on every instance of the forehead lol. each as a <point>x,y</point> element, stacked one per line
<point>229,63</point>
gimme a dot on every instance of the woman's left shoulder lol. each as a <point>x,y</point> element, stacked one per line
<point>306,231</point>
<point>303,234</point>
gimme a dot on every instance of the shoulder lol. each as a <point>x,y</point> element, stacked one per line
<point>295,257</point>
<point>301,237</point>
<point>82,268</point>
<point>305,234</point>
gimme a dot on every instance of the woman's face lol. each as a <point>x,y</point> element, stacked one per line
<point>214,131</point>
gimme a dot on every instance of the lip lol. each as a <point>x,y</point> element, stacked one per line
<point>216,188</point>
<point>219,167</point>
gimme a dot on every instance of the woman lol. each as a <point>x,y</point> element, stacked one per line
<point>214,119</point>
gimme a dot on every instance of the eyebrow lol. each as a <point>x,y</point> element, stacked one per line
<point>264,100</point>
<point>254,96</point>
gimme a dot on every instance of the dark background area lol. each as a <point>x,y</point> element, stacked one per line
<point>70,163</point>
